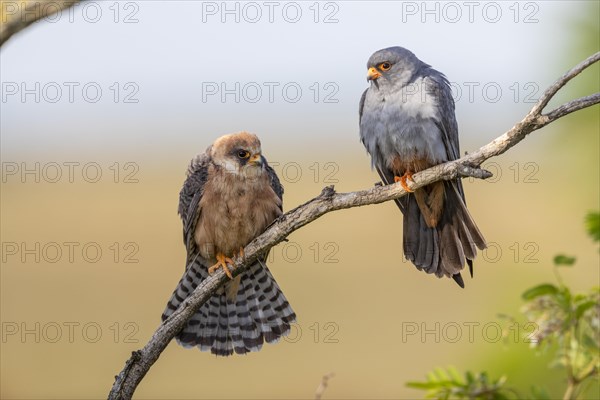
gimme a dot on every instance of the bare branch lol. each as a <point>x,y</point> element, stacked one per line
<point>573,106</point>
<point>562,81</point>
<point>141,361</point>
<point>18,15</point>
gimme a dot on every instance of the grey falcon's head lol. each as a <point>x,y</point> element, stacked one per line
<point>393,68</point>
<point>239,154</point>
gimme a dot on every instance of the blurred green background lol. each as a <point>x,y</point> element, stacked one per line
<point>70,320</point>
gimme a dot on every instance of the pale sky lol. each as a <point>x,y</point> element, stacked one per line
<point>105,74</point>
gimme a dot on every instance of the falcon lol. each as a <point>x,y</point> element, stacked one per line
<point>407,125</point>
<point>230,196</point>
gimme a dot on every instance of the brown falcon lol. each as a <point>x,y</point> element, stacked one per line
<point>229,197</point>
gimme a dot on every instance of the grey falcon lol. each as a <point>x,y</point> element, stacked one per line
<point>229,197</point>
<point>407,124</point>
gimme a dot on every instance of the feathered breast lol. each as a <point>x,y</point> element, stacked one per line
<point>234,210</point>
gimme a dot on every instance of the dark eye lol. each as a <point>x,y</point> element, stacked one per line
<point>385,66</point>
<point>243,154</point>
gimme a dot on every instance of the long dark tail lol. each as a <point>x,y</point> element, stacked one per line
<point>259,313</point>
<point>445,248</point>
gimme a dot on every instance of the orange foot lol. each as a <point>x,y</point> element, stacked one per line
<point>222,262</point>
<point>402,179</point>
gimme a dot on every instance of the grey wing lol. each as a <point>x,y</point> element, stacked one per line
<point>447,122</point>
<point>189,200</point>
<point>361,105</point>
<point>447,119</point>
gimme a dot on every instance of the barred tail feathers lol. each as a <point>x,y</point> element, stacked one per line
<point>260,312</point>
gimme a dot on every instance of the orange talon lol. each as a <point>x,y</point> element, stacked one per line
<point>402,179</point>
<point>222,262</point>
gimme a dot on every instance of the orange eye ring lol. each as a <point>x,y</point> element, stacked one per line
<point>384,66</point>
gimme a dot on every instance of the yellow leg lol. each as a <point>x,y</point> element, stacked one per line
<point>222,262</point>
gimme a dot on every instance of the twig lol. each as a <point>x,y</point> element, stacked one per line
<point>328,201</point>
<point>323,385</point>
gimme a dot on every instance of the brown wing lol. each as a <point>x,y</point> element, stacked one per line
<point>189,200</point>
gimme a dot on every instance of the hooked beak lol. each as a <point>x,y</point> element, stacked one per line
<point>256,159</point>
<point>373,74</point>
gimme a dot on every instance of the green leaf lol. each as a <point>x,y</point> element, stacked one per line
<point>441,374</point>
<point>592,224</point>
<point>500,381</point>
<point>579,296</point>
<point>423,385</point>
<point>564,260</point>
<point>483,378</point>
<point>590,343</point>
<point>583,307</point>
<point>431,377</point>
<point>564,299</point>
<point>470,377</point>
<point>455,376</point>
<point>540,290</point>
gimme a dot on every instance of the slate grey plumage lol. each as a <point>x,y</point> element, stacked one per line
<point>223,205</point>
<point>407,124</point>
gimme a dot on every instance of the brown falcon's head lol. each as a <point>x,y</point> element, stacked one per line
<point>238,153</point>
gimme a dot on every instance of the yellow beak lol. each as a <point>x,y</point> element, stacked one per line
<point>256,159</point>
<point>373,74</point>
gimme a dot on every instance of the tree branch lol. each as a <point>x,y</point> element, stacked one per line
<point>328,201</point>
<point>18,15</point>
<point>562,81</point>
